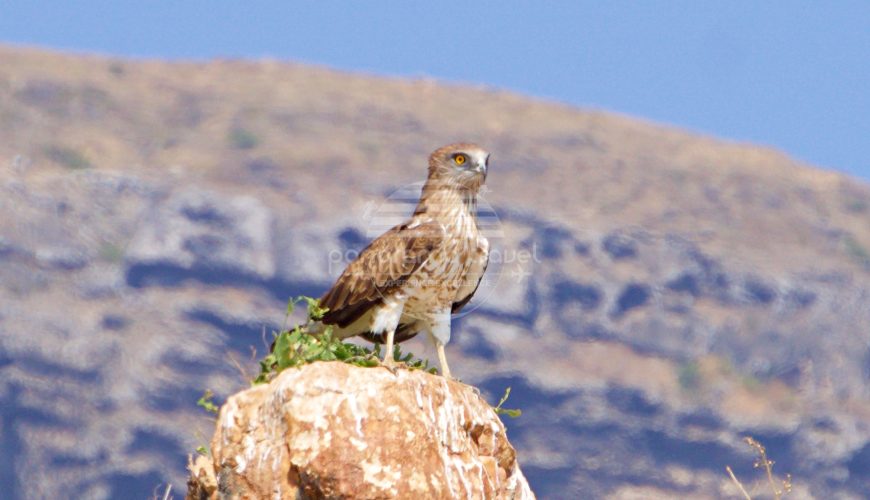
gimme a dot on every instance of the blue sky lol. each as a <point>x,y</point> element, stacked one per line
<point>794,75</point>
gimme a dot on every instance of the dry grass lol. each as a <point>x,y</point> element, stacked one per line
<point>165,494</point>
<point>778,487</point>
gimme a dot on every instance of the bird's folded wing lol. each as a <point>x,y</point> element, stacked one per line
<point>471,280</point>
<point>381,268</point>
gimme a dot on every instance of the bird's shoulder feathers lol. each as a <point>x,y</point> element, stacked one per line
<point>380,269</point>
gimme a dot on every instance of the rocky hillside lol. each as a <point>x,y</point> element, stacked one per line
<point>332,430</point>
<point>657,294</point>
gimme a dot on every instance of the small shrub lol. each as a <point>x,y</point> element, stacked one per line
<point>296,347</point>
<point>689,376</point>
<point>117,68</point>
<point>111,252</point>
<point>751,383</point>
<point>856,250</point>
<point>206,402</point>
<point>242,138</point>
<point>855,205</point>
<point>68,157</point>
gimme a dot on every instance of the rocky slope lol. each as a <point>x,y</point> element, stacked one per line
<point>332,430</point>
<point>657,294</point>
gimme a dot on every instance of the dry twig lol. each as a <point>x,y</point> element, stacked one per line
<point>737,482</point>
<point>778,488</point>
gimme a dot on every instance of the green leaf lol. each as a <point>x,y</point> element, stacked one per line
<point>507,394</point>
<point>512,413</point>
<point>314,353</point>
<point>341,352</point>
<point>205,401</point>
<point>315,312</point>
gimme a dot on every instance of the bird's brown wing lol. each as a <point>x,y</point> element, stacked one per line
<point>405,331</point>
<point>380,269</point>
<point>479,271</point>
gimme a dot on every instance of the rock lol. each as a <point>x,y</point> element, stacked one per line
<point>208,231</point>
<point>61,258</point>
<point>620,246</point>
<point>332,430</point>
<point>202,483</point>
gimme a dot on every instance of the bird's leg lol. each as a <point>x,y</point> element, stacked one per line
<point>442,359</point>
<point>439,332</point>
<point>389,362</point>
<point>385,320</point>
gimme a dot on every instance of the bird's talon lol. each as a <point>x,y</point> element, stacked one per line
<point>390,364</point>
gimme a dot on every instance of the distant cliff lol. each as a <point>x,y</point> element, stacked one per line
<point>332,430</point>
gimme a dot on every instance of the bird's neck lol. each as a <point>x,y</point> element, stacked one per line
<point>447,202</point>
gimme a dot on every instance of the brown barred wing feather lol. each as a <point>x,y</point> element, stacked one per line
<point>381,269</point>
<point>476,273</point>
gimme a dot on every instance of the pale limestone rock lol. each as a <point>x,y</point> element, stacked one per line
<point>340,431</point>
<point>199,229</point>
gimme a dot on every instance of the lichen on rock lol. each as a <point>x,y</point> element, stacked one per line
<point>340,431</point>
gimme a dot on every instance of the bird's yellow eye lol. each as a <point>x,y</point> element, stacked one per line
<point>460,159</point>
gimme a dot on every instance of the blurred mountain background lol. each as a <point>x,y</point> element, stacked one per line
<point>681,292</point>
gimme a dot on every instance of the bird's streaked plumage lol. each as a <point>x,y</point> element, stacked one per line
<point>414,276</point>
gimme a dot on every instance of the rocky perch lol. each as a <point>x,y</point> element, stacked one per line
<point>333,430</point>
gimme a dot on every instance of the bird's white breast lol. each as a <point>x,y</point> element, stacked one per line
<point>435,286</point>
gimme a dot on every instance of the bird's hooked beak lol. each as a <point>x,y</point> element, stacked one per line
<point>481,166</point>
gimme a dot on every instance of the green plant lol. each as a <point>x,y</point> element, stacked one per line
<point>855,249</point>
<point>242,138</point>
<point>297,347</point>
<point>512,413</point>
<point>67,157</point>
<point>111,252</point>
<point>855,205</point>
<point>116,68</point>
<point>751,383</point>
<point>689,376</point>
<point>205,401</point>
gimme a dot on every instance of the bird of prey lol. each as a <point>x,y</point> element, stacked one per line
<point>414,276</point>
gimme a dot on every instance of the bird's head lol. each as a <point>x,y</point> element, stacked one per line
<point>461,165</point>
